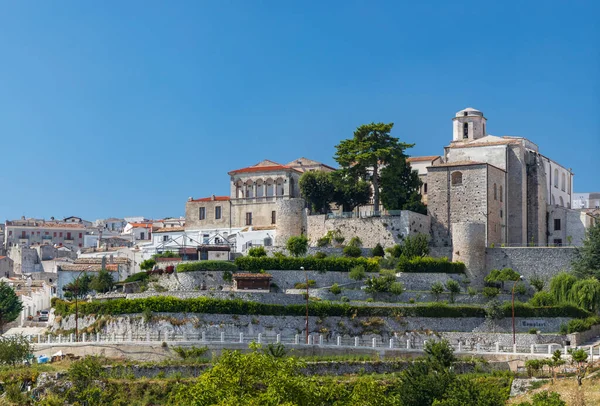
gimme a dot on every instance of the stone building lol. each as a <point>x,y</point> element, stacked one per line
<point>264,202</point>
<point>503,182</point>
<point>31,232</point>
<point>420,164</point>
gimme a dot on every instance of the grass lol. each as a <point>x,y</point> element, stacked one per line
<point>568,390</point>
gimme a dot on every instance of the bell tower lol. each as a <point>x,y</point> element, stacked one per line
<point>468,125</point>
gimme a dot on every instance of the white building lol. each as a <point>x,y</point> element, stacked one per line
<point>586,200</point>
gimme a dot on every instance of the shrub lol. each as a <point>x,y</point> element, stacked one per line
<point>357,273</point>
<point>330,264</point>
<point>388,262</point>
<point>579,325</point>
<point>320,255</point>
<point>137,277</point>
<point>335,289</point>
<point>437,289</point>
<point>527,310</point>
<point>257,252</point>
<point>430,265</point>
<point>378,251</point>
<point>323,241</point>
<point>520,289</point>
<point>506,274</point>
<point>471,291</point>
<point>193,353</point>
<point>494,310</point>
<point>382,283</point>
<point>537,283</point>
<point>207,266</point>
<point>352,251</point>
<point>147,264</point>
<point>397,288</point>
<point>344,299</point>
<point>490,292</point>
<point>415,246</point>
<point>14,350</point>
<point>302,285</point>
<point>297,245</point>
<point>533,331</point>
<point>542,299</point>
<point>355,242</point>
<point>453,287</point>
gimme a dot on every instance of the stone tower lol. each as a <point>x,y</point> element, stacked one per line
<point>468,246</point>
<point>468,125</point>
<point>291,219</point>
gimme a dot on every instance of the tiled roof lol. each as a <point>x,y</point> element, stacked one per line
<point>90,268</point>
<point>271,168</point>
<point>141,225</point>
<point>116,260</point>
<point>2,257</point>
<point>422,158</point>
<point>168,229</point>
<point>208,199</point>
<point>251,276</point>
<point>47,224</point>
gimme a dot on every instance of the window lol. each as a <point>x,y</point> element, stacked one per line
<point>10,232</point>
<point>80,235</point>
<point>68,236</point>
<point>217,212</point>
<point>55,233</point>
<point>202,213</point>
<point>46,233</point>
<point>60,234</point>
<point>456,178</point>
<point>273,217</point>
<point>249,218</point>
<point>165,238</point>
<point>23,234</point>
<point>556,224</point>
<point>465,130</point>
<point>495,192</point>
<point>142,235</point>
<point>556,178</point>
<point>424,188</point>
<point>501,193</point>
<point>558,242</point>
<point>501,213</point>
<point>80,245</point>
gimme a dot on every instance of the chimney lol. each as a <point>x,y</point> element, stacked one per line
<point>112,259</point>
<point>212,198</point>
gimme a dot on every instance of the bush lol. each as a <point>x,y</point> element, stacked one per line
<point>335,289</point>
<point>357,273</point>
<point>397,288</point>
<point>330,264</point>
<point>352,251</point>
<point>453,287</point>
<point>208,266</point>
<point>527,310</point>
<point>537,283</point>
<point>506,274</point>
<point>520,289</point>
<point>580,325</point>
<point>490,292</point>
<point>302,285</point>
<point>257,252</point>
<point>137,277</point>
<point>147,264</point>
<point>471,291</point>
<point>430,265</point>
<point>382,283</point>
<point>320,255</point>
<point>437,289</point>
<point>344,299</point>
<point>14,350</point>
<point>355,242</point>
<point>542,299</point>
<point>297,246</point>
<point>378,251</point>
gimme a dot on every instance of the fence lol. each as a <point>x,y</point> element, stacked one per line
<point>364,214</point>
<point>230,339</point>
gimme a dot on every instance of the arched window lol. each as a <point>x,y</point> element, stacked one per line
<point>465,130</point>
<point>563,182</point>
<point>495,192</point>
<point>562,202</point>
<point>556,178</point>
<point>501,194</point>
<point>456,178</point>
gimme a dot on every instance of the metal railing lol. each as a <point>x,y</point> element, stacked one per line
<point>234,340</point>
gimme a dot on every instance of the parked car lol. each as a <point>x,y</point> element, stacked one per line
<point>44,315</point>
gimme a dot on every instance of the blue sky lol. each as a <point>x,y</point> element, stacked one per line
<point>128,108</point>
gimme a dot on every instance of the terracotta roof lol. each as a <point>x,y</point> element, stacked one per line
<point>251,276</point>
<point>46,224</point>
<point>270,168</point>
<point>422,158</point>
<point>2,257</point>
<point>209,199</point>
<point>90,268</point>
<point>116,260</point>
<point>168,229</point>
<point>141,225</point>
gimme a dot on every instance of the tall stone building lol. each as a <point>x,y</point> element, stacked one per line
<point>503,182</point>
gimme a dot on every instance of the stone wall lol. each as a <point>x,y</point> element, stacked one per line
<point>386,230</point>
<point>330,327</point>
<point>529,261</point>
<point>469,247</point>
<point>268,298</point>
<point>291,218</point>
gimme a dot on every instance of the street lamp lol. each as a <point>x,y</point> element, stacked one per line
<point>306,275</point>
<point>513,308</point>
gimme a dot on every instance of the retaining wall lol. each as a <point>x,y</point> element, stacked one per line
<point>529,261</point>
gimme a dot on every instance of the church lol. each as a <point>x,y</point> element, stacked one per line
<point>521,196</point>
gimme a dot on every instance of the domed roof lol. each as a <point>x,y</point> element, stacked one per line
<point>469,111</point>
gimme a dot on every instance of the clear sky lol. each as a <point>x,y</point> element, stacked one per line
<point>122,108</point>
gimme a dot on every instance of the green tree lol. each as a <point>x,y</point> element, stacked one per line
<point>382,283</point>
<point>298,245</point>
<point>79,287</point>
<point>400,185</point>
<point>257,252</point>
<point>587,262</point>
<point>102,282</point>
<point>422,383</point>
<point>560,286</point>
<point>371,147</point>
<point>440,353</point>
<point>454,288</point>
<point>378,251</point>
<point>14,350</point>
<point>147,264</point>
<point>585,293</point>
<point>437,289</point>
<point>579,361</point>
<point>349,190</point>
<point>10,305</point>
<point>541,299</point>
<point>469,392</point>
<point>545,398</point>
<point>317,189</point>
<point>357,273</point>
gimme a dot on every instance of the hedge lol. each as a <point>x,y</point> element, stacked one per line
<point>527,310</point>
<point>167,304</point>
<point>206,266</point>
<point>430,265</point>
<point>332,264</point>
<point>137,277</point>
<point>579,325</point>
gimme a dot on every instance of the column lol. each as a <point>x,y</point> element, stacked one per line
<point>241,338</point>
<point>278,338</point>
<point>339,340</point>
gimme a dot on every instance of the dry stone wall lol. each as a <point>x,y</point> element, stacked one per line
<point>543,262</point>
